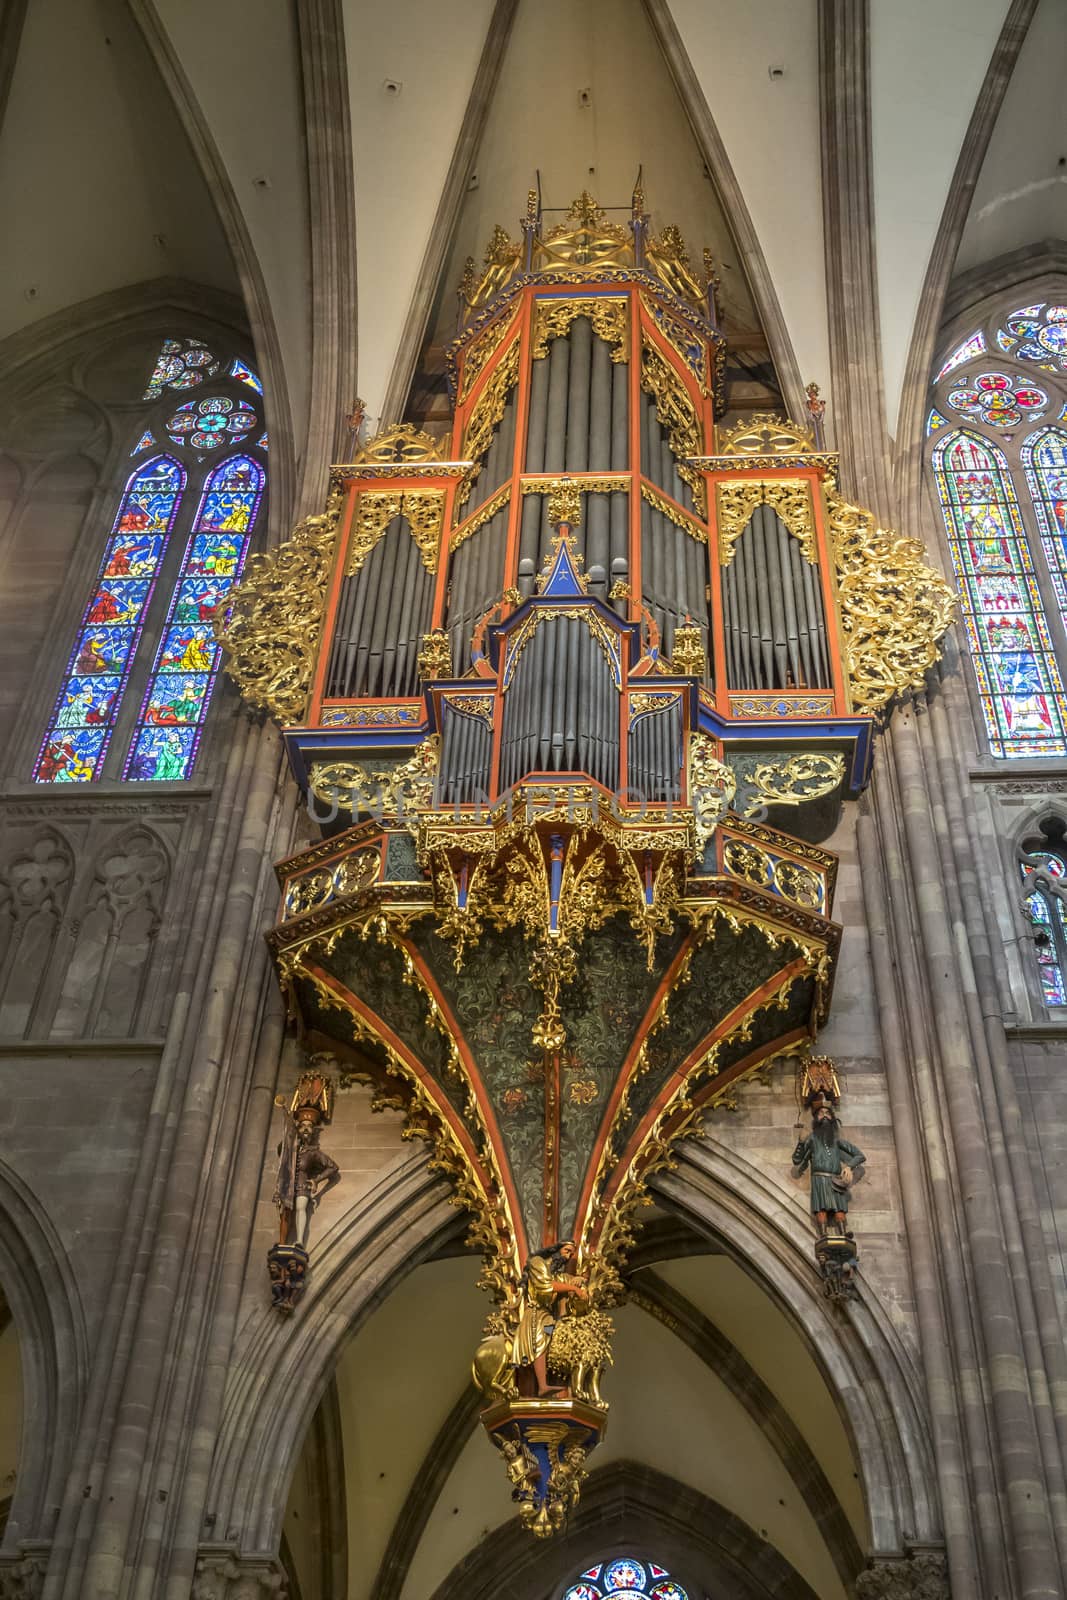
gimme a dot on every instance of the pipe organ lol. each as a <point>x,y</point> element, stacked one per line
<point>700,589</point>
<point>555,688</point>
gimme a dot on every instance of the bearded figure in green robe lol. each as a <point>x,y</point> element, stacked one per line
<point>834,1165</point>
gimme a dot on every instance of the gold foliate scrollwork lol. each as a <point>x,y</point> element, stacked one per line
<point>483,515</point>
<point>585,240</point>
<point>676,414</point>
<point>610,317</point>
<point>736,502</point>
<point>489,408</point>
<point>374,512</point>
<point>424,511</point>
<point>270,626</point>
<point>667,508</point>
<point>791,780</point>
<point>893,607</point>
<point>481,350</point>
<point>392,795</point>
<point>473,705</point>
<point>435,655</point>
<point>403,444</point>
<point>711,787</point>
<point>565,504</point>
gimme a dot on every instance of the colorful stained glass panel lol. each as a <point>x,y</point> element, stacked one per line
<point>175,705</point>
<point>1044,457</point>
<point>625,1573</point>
<point>998,400</point>
<point>207,424</point>
<point>83,719</point>
<point>935,421</point>
<point>1048,919</point>
<point>1037,333</point>
<point>246,375</point>
<point>182,364</point>
<point>1018,678</point>
<point>974,346</point>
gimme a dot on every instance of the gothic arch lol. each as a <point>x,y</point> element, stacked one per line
<point>872,1378</point>
<point>630,1507</point>
<point>285,1365</point>
<point>40,1290</point>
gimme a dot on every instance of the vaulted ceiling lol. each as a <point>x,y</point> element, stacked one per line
<point>151,138</point>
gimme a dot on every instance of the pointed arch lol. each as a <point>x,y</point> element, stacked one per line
<point>1019,681</point>
<point>1044,458</point>
<point>175,705</point>
<point>84,714</point>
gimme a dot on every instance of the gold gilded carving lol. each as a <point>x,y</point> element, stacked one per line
<point>677,415</point>
<point>735,503</point>
<point>687,658</point>
<point>565,503</point>
<point>502,257</point>
<point>353,873</point>
<point>798,884</point>
<point>473,705</point>
<point>711,787</point>
<point>789,781</point>
<point>748,861</point>
<point>674,513</point>
<point>669,259</point>
<point>422,509</point>
<point>765,434</point>
<point>435,655</point>
<point>482,350</point>
<point>374,513</point>
<point>585,240</point>
<point>489,408</point>
<point>684,340</point>
<point>747,707</point>
<point>391,795</point>
<point>480,517</point>
<point>402,444</point>
<point>270,627</point>
<point>610,319</point>
<point>647,702</point>
<point>893,607</point>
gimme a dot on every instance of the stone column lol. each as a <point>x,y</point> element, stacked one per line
<point>991,1349</point>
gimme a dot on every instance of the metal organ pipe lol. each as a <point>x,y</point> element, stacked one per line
<point>562,707</point>
<point>773,611</point>
<point>384,610</point>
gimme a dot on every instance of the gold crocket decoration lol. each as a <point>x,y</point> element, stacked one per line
<point>687,656</point>
<point>489,408</point>
<point>894,608</point>
<point>435,655</point>
<point>270,627</point>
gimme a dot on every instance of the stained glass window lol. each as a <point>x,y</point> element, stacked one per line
<point>145,442</point>
<point>626,1575</point>
<point>182,364</point>
<point>935,421</point>
<point>998,400</point>
<point>1038,334</point>
<point>1045,463</point>
<point>171,717</point>
<point>1044,873</point>
<point>246,375</point>
<point>207,424</point>
<point>1018,678</point>
<point>974,346</point>
<point>84,715</point>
